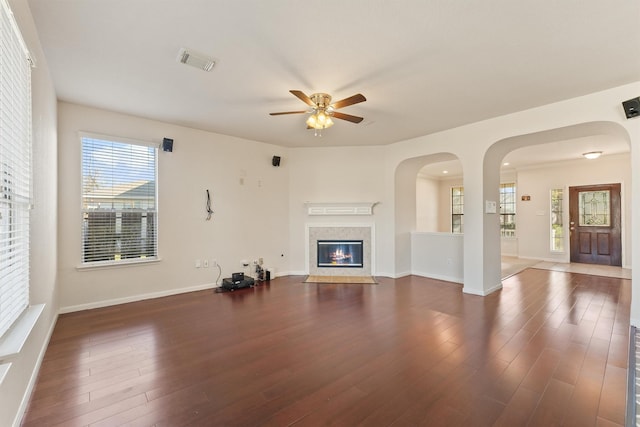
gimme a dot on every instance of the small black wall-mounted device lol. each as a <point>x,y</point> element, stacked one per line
<point>275,161</point>
<point>632,107</point>
<point>167,145</point>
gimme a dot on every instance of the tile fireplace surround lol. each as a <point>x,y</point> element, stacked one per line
<point>339,232</point>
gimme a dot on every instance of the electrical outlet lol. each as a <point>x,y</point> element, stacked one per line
<point>206,263</point>
<point>197,263</point>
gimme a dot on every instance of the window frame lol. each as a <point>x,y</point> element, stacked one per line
<point>504,215</point>
<point>83,265</point>
<point>460,188</point>
<point>561,211</point>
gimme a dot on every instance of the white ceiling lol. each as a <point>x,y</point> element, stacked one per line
<point>424,65</point>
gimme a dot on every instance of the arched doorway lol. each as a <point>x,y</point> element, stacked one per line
<point>406,213</point>
<point>565,167</point>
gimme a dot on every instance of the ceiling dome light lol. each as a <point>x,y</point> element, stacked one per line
<point>592,155</point>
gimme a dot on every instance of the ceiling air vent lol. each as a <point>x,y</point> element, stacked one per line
<point>195,59</point>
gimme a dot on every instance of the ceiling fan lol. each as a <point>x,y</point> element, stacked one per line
<point>322,110</point>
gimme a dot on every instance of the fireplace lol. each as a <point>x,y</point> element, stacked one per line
<point>363,234</point>
<point>340,253</point>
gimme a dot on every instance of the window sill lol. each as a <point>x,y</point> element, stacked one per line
<point>109,264</point>
<point>4,369</point>
<point>12,342</point>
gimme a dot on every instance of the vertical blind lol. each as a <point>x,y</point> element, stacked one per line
<point>119,210</point>
<point>15,170</point>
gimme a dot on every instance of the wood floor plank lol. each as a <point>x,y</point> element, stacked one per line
<point>613,397</point>
<point>519,409</point>
<point>548,349</point>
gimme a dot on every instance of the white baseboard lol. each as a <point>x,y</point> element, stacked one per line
<point>34,376</point>
<point>482,293</point>
<point>514,255</point>
<point>554,260</point>
<point>439,277</point>
<point>385,274</point>
<point>294,273</point>
<point>400,274</point>
<point>134,298</point>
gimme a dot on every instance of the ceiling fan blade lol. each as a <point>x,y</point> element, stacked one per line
<point>303,97</point>
<point>355,99</point>
<point>287,112</point>
<point>347,117</point>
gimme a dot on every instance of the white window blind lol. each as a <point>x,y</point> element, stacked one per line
<point>15,170</point>
<point>119,209</point>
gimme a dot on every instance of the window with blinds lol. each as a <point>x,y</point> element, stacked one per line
<point>119,194</point>
<point>15,170</point>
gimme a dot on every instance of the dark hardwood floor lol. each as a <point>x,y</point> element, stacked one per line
<point>550,348</point>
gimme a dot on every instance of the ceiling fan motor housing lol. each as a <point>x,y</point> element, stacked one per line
<point>322,100</point>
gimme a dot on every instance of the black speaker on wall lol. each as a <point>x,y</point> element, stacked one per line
<point>275,161</point>
<point>632,107</point>
<point>167,145</point>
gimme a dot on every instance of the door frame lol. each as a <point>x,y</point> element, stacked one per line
<point>615,243</point>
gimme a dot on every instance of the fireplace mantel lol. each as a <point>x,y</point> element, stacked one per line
<point>365,208</point>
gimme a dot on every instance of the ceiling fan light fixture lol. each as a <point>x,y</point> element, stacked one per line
<point>592,155</point>
<point>311,121</point>
<point>328,123</point>
<point>323,111</point>
<point>319,120</point>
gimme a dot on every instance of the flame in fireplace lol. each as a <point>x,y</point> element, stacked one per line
<point>338,256</point>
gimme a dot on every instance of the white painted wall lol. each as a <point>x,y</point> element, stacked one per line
<point>427,204</point>
<point>250,201</point>
<point>15,389</point>
<point>337,174</point>
<point>438,255</point>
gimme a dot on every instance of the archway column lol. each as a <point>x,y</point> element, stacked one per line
<point>482,251</point>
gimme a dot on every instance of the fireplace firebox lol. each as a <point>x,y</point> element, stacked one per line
<point>340,253</point>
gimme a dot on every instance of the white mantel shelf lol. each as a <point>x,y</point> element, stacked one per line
<point>340,208</point>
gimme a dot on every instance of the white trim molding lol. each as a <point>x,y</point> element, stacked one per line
<point>340,208</point>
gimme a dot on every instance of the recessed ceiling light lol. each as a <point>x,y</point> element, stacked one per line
<point>195,59</point>
<point>505,164</point>
<point>445,171</point>
<point>592,154</point>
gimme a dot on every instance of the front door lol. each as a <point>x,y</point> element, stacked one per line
<point>594,224</point>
